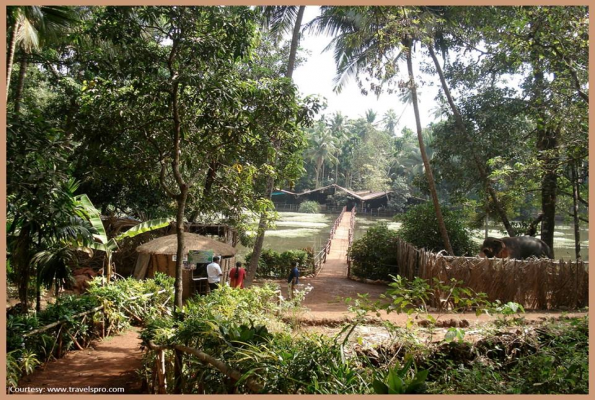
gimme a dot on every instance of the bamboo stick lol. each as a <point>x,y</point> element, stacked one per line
<point>250,383</point>
<point>54,324</point>
<point>75,342</point>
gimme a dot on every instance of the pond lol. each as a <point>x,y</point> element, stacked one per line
<point>298,230</point>
<point>295,231</point>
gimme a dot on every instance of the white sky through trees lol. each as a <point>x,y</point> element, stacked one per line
<point>316,76</point>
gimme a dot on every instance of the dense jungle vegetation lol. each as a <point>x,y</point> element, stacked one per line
<point>190,114</point>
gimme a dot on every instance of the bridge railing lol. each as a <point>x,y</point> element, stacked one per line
<point>320,257</point>
<point>350,239</point>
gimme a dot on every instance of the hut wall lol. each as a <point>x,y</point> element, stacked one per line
<point>165,264</point>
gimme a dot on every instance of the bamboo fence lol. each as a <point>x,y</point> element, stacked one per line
<point>537,284</point>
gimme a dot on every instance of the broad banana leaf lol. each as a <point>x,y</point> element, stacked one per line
<point>146,226</point>
<point>94,217</point>
<point>151,225</point>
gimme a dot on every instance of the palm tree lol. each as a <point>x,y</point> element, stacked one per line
<point>29,27</point>
<point>370,116</point>
<point>359,47</point>
<point>338,127</point>
<point>323,147</point>
<point>59,251</point>
<point>390,121</point>
<point>280,19</point>
<point>431,14</point>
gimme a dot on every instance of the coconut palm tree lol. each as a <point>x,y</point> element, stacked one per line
<point>360,46</point>
<point>390,121</point>
<point>282,20</point>
<point>338,127</point>
<point>29,27</point>
<point>279,19</point>
<point>323,148</point>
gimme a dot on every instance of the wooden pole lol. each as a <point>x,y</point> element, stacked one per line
<point>250,383</point>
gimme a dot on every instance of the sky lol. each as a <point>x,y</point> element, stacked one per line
<point>316,75</point>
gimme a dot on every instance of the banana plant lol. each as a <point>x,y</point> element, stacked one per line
<point>109,246</point>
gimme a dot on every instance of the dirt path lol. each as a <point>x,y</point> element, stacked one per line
<point>107,364</point>
<point>331,284</point>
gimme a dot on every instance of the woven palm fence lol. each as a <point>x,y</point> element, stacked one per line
<point>535,283</point>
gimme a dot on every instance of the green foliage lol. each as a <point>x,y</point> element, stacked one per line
<point>415,298</point>
<point>555,361</point>
<point>240,327</point>
<point>505,311</point>
<point>403,380</point>
<point>311,207</point>
<point>273,264</point>
<point>420,228</point>
<point>120,299</point>
<point>373,256</point>
<point>19,363</point>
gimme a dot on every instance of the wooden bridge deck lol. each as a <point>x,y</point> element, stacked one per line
<point>336,260</point>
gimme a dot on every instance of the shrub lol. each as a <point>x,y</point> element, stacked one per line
<point>241,327</point>
<point>420,228</point>
<point>374,255</point>
<point>310,207</point>
<point>119,299</point>
<point>273,264</point>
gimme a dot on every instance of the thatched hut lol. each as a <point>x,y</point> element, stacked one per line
<point>159,254</point>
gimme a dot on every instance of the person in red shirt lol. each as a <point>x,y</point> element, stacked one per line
<point>236,276</point>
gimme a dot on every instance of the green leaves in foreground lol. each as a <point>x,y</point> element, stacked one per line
<point>401,381</point>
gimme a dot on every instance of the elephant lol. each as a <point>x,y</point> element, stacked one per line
<point>519,247</point>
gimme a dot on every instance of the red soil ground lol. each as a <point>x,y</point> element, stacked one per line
<point>109,363</point>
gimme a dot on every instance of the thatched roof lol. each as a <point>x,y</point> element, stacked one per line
<point>169,245</point>
<point>362,195</point>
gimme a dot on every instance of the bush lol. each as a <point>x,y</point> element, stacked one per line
<point>119,298</point>
<point>273,264</point>
<point>310,207</point>
<point>420,228</point>
<point>374,255</point>
<point>241,327</point>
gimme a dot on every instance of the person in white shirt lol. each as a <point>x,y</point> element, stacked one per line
<point>214,273</point>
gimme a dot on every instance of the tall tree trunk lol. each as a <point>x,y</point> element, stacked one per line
<point>21,84</point>
<point>577,232</point>
<point>487,219</point>
<point>317,182</point>
<point>38,291</point>
<point>295,38</point>
<point>20,259</point>
<point>181,202</point>
<point>251,270</point>
<point>11,50</point>
<point>547,143</point>
<point>480,167</point>
<point>441,226</point>
<point>257,251</point>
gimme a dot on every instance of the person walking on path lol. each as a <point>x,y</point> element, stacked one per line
<point>236,276</point>
<point>214,273</point>
<point>292,280</point>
